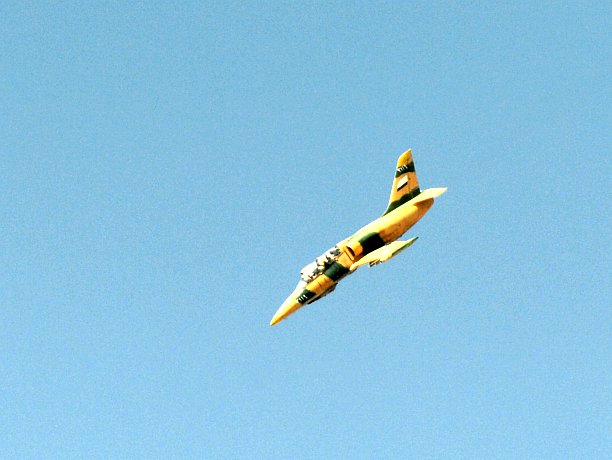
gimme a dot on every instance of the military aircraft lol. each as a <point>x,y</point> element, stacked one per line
<point>373,244</point>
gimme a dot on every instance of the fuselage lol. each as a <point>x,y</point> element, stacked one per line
<point>371,237</point>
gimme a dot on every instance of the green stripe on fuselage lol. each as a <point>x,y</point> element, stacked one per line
<point>371,242</point>
<point>336,271</point>
<point>305,296</point>
<point>403,200</point>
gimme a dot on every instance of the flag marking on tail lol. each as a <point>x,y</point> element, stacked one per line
<point>405,183</point>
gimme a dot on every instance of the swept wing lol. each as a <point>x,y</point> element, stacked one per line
<point>383,254</point>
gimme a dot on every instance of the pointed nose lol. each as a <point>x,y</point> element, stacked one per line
<point>289,306</point>
<point>275,320</point>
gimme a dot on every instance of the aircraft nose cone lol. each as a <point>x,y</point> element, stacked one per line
<point>275,320</point>
<point>289,306</point>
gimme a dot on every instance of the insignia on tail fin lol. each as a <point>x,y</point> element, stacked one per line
<point>405,183</point>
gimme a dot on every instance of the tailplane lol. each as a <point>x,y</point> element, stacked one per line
<point>405,183</point>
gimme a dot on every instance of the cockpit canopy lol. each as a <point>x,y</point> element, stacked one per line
<point>314,269</point>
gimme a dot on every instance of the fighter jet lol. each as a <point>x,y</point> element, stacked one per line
<point>373,244</point>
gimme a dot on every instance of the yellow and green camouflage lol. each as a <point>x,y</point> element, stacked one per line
<point>373,244</point>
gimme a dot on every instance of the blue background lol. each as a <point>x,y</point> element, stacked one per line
<point>168,169</point>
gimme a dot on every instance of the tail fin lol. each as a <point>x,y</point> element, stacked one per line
<point>405,183</point>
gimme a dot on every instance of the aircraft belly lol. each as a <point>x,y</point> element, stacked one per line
<point>320,285</point>
<point>403,218</point>
<point>398,223</point>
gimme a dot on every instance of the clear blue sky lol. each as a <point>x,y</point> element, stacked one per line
<point>167,170</point>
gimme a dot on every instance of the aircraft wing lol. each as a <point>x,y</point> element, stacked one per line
<point>383,254</point>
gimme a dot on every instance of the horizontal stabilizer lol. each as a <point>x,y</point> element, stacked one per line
<point>427,194</point>
<point>383,254</point>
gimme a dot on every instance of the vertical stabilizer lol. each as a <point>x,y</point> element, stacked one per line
<point>405,182</point>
